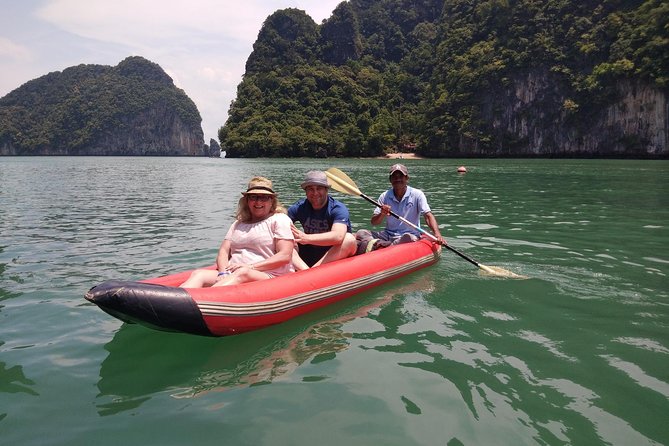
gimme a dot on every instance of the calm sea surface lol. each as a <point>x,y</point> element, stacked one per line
<point>577,354</point>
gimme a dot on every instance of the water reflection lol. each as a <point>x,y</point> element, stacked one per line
<point>140,364</point>
<point>504,359</point>
<point>13,380</point>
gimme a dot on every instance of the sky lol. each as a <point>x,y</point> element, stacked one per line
<point>202,44</point>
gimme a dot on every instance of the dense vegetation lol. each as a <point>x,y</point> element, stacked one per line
<point>383,75</point>
<point>72,108</point>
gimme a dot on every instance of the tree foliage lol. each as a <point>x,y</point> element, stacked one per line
<point>384,75</point>
<point>72,108</point>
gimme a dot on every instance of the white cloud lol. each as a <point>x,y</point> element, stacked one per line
<point>13,51</point>
<point>136,22</point>
<point>202,44</point>
<point>215,74</point>
<point>139,23</point>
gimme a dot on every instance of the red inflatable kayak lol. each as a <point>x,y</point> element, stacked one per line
<point>221,311</point>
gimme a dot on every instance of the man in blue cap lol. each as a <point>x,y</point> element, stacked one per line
<point>326,228</point>
<point>405,201</point>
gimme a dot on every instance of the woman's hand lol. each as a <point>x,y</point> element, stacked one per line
<point>232,267</point>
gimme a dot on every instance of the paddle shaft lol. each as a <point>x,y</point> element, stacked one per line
<point>430,236</point>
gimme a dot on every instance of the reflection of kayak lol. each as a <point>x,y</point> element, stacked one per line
<point>221,311</point>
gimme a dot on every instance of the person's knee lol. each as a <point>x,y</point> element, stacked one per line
<point>198,274</point>
<point>405,238</point>
<point>363,234</point>
<point>350,244</point>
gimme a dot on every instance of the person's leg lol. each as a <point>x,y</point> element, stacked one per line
<point>242,275</point>
<point>200,278</point>
<point>298,263</point>
<point>406,238</point>
<point>346,249</point>
<point>363,238</point>
<point>372,240</point>
<point>363,235</point>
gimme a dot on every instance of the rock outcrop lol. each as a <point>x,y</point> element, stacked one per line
<point>133,108</point>
<point>157,131</point>
<point>543,120</point>
<point>214,149</point>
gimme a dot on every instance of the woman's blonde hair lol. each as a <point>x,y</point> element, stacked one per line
<point>258,185</point>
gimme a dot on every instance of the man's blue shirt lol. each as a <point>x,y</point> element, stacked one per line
<point>316,222</point>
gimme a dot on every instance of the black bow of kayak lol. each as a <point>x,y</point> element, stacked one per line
<point>157,306</point>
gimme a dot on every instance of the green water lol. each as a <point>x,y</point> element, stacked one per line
<point>577,354</point>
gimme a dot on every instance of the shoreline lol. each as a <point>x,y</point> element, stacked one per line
<point>401,156</point>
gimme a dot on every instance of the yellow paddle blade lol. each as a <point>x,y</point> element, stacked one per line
<point>500,272</point>
<point>340,181</point>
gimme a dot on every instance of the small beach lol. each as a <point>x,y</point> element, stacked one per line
<point>404,156</point>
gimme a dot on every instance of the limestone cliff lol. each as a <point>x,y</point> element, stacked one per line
<point>158,131</point>
<point>214,149</point>
<point>541,117</point>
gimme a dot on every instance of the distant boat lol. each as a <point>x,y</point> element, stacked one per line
<point>223,153</point>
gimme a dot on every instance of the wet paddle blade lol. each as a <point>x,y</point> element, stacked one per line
<point>500,272</point>
<point>485,269</point>
<point>341,182</point>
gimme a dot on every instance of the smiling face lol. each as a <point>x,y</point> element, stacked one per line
<point>317,196</point>
<point>399,182</point>
<point>259,205</point>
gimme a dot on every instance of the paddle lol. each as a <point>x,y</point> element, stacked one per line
<point>340,181</point>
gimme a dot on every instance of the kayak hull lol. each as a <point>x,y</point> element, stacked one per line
<point>221,311</point>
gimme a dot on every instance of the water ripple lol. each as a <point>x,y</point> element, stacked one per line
<point>576,354</point>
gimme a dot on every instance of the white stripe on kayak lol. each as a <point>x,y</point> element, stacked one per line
<point>209,308</point>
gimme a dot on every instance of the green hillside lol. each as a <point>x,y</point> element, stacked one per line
<point>70,112</point>
<point>454,78</point>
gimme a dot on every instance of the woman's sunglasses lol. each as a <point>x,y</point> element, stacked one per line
<point>258,197</point>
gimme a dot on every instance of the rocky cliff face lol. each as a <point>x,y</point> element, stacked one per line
<point>214,149</point>
<point>640,118</point>
<point>154,132</point>
<point>543,120</point>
